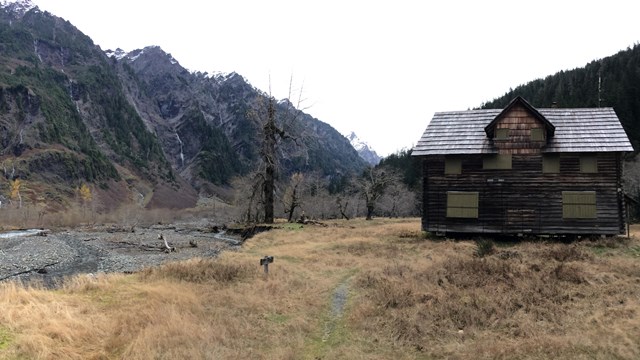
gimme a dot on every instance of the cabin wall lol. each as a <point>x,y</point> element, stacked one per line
<point>523,199</point>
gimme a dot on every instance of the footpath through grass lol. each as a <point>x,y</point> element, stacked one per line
<point>351,290</point>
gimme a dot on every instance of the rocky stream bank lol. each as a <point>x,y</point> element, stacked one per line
<point>50,256</point>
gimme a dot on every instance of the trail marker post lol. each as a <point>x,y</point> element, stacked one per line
<point>265,261</point>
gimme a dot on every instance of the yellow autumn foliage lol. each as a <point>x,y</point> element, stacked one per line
<point>15,189</point>
<point>85,193</point>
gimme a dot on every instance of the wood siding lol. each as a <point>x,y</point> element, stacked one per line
<point>520,124</point>
<point>524,199</point>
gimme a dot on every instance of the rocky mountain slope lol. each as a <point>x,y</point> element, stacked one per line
<point>64,119</point>
<point>209,126</point>
<point>136,126</point>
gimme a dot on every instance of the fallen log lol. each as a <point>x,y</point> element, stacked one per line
<point>36,269</point>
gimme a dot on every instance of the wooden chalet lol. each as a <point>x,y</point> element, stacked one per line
<point>523,170</point>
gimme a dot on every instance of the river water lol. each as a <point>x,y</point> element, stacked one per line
<point>19,233</point>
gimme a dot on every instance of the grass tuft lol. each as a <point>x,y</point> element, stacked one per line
<point>565,253</point>
<point>484,247</point>
<point>201,271</point>
<point>5,337</point>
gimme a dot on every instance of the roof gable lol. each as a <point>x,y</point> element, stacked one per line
<point>518,100</point>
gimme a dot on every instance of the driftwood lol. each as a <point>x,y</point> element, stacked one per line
<point>125,229</point>
<point>150,247</point>
<point>167,248</point>
<point>306,221</point>
<point>39,270</point>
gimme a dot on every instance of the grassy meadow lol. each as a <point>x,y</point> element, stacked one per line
<point>349,290</point>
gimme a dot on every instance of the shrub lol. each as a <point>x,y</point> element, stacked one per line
<point>564,253</point>
<point>484,247</point>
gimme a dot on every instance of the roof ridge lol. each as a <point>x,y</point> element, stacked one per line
<point>576,130</point>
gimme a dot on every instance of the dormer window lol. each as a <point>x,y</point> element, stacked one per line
<point>502,134</point>
<point>537,134</point>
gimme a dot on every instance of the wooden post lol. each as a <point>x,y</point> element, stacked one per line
<point>627,216</point>
<point>265,261</point>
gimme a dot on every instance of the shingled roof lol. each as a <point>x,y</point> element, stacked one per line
<point>576,130</point>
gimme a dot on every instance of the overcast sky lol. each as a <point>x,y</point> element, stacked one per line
<point>379,68</point>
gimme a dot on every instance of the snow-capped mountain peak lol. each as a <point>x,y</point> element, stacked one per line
<point>132,56</point>
<point>117,53</point>
<point>18,7</point>
<point>356,142</point>
<point>364,150</point>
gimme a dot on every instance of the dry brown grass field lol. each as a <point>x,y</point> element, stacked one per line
<point>351,290</point>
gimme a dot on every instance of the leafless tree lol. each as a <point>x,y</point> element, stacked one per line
<point>293,195</point>
<point>249,196</point>
<point>270,134</point>
<point>273,132</point>
<point>372,186</point>
<point>318,203</point>
<point>343,205</point>
<point>398,201</point>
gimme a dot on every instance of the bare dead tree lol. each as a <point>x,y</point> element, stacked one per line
<point>272,134</point>
<point>398,201</point>
<point>342,206</point>
<point>249,196</point>
<point>372,186</point>
<point>316,200</point>
<point>293,195</point>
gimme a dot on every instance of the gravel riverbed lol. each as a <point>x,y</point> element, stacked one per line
<point>50,256</point>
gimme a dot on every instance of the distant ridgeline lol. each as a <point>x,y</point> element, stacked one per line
<point>613,81</point>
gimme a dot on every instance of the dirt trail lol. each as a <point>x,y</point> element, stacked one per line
<point>338,302</point>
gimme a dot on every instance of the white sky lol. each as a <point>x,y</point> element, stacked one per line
<point>379,68</point>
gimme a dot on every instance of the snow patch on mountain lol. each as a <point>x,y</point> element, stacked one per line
<point>364,150</point>
<point>18,7</point>
<point>132,56</point>
<point>117,53</point>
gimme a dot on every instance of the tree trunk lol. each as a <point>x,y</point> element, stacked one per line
<point>291,210</point>
<point>342,208</point>
<point>369,211</point>
<point>268,193</point>
<point>270,162</point>
<point>294,202</point>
